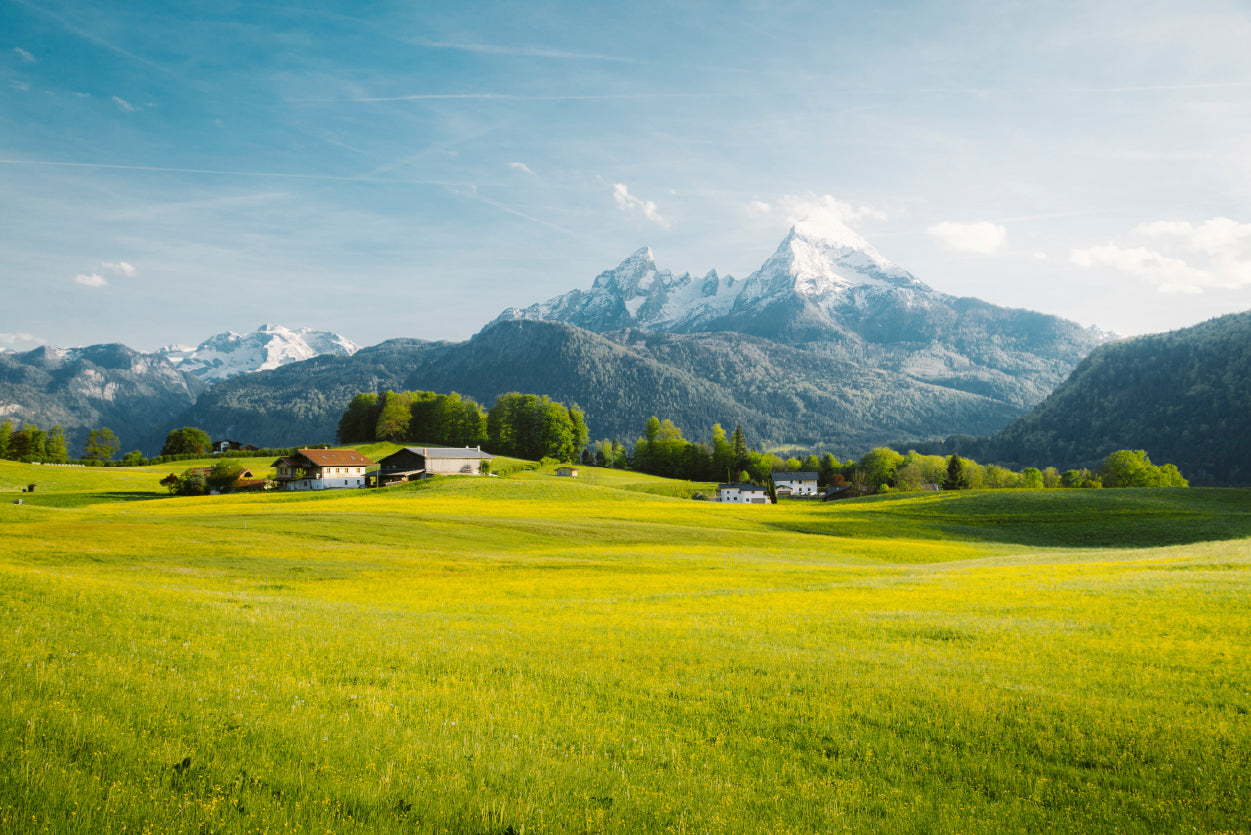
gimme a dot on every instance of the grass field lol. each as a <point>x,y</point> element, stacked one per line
<point>532,654</point>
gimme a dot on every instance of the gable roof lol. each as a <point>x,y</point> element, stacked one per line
<point>794,476</point>
<point>744,487</point>
<point>448,452</point>
<point>334,457</point>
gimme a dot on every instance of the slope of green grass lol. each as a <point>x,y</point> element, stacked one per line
<point>542,654</point>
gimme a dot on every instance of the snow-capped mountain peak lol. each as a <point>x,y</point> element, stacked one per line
<point>821,262</point>
<point>229,354</point>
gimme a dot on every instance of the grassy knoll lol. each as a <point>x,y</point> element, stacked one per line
<point>535,654</point>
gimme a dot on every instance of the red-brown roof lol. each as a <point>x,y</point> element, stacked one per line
<point>335,457</point>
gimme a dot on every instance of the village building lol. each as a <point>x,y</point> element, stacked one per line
<point>569,472</point>
<point>413,463</point>
<point>796,484</point>
<point>742,493</point>
<point>218,447</point>
<point>322,469</point>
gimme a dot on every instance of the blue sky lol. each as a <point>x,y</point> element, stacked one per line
<point>170,171</point>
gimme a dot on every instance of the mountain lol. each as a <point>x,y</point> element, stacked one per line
<point>230,354</point>
<point>776,392</point>
<point>130,391</point>
<point>829,292</point>
<point>1183,396</point>
<point>87,388</point>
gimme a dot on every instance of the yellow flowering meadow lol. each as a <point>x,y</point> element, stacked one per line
<point>531,654</point>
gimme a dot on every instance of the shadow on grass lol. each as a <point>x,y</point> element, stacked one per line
<point>1043,518</point>
<point>38,499</point>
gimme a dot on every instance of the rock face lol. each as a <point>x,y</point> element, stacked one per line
<point>828,291</point>
<point>230,354</point>
<point>81,389</point>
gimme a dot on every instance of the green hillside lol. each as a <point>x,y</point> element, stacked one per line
<point>1183,396</point>
<point>541,654</point>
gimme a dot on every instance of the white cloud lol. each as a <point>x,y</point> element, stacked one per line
<point>827,217</point>
<point>1164,227</point>
<point>1040,256</point>
<point>120,268</point>
<point>91,280</point>
<point>20,338</point>
<point>1182,257</point>
<point>630,204</point>
<point>20,86</point>
<point>24,55</point>
<point>982,238</point>
<point>759,207</point>
<point>522,167</point>
<point>125,106</point>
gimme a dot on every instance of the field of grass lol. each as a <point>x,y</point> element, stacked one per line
<point>536,654</point>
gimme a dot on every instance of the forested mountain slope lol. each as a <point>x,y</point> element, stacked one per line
<point>1183,396</point>
<point>776,392</point>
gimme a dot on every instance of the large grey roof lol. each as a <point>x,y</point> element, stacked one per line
<point>794,476</point>
<point>449,452</point>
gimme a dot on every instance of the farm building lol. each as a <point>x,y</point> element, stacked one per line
<point>412,463</point>
<point>569,472</point>
<point>795,484</point>
<point>231,446</point>
<point>742,493</point>
<point>322,469</point>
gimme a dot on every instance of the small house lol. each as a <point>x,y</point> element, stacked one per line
<point>739,493</point>
<point>412,463</point>
<point>568,472</point>
<point>321,469</point>
<point>218,447</point>
<point>795,484</point>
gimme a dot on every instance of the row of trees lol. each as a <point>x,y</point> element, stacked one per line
<point>521,425</point>
<point>883,469</point>
<point>32,444</point>
<point>663,451</point>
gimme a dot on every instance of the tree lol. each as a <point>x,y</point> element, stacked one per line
<point>1032,478</point>
<point>957,477</point>
<point>395,417</point>
<point>101,444</point>
<point>28,443</point>
<point>223,476</point>
<point>359,419</point>
<point>740,448</point>
<point>186,441</point>
<point>6,438</point>
<point>134,458</point>
<point>171,483</point>
<point>55,451</point>
<point>879,466</point>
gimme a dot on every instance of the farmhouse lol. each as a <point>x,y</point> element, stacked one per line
<point>570,472</point>
<point>412,463</point>
<point>231,446</point>
<point>795,484</point>
<point>742,493</point>
<point>322,469</point>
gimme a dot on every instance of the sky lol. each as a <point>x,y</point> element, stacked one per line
<point>410,169</point>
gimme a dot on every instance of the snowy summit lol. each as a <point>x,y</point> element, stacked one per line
<point>229,354</point>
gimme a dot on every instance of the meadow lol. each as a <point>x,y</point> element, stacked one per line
<point>530,654</point>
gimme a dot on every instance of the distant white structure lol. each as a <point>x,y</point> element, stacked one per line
<point>796,484</point>
<point>742,494</point>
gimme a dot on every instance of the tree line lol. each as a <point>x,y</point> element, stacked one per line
<point>520,425</point>
<point>662,450</point>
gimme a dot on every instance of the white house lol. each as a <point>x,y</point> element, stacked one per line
<point>796,484</point>
<point>742,494</point>
<point>322,469</point>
